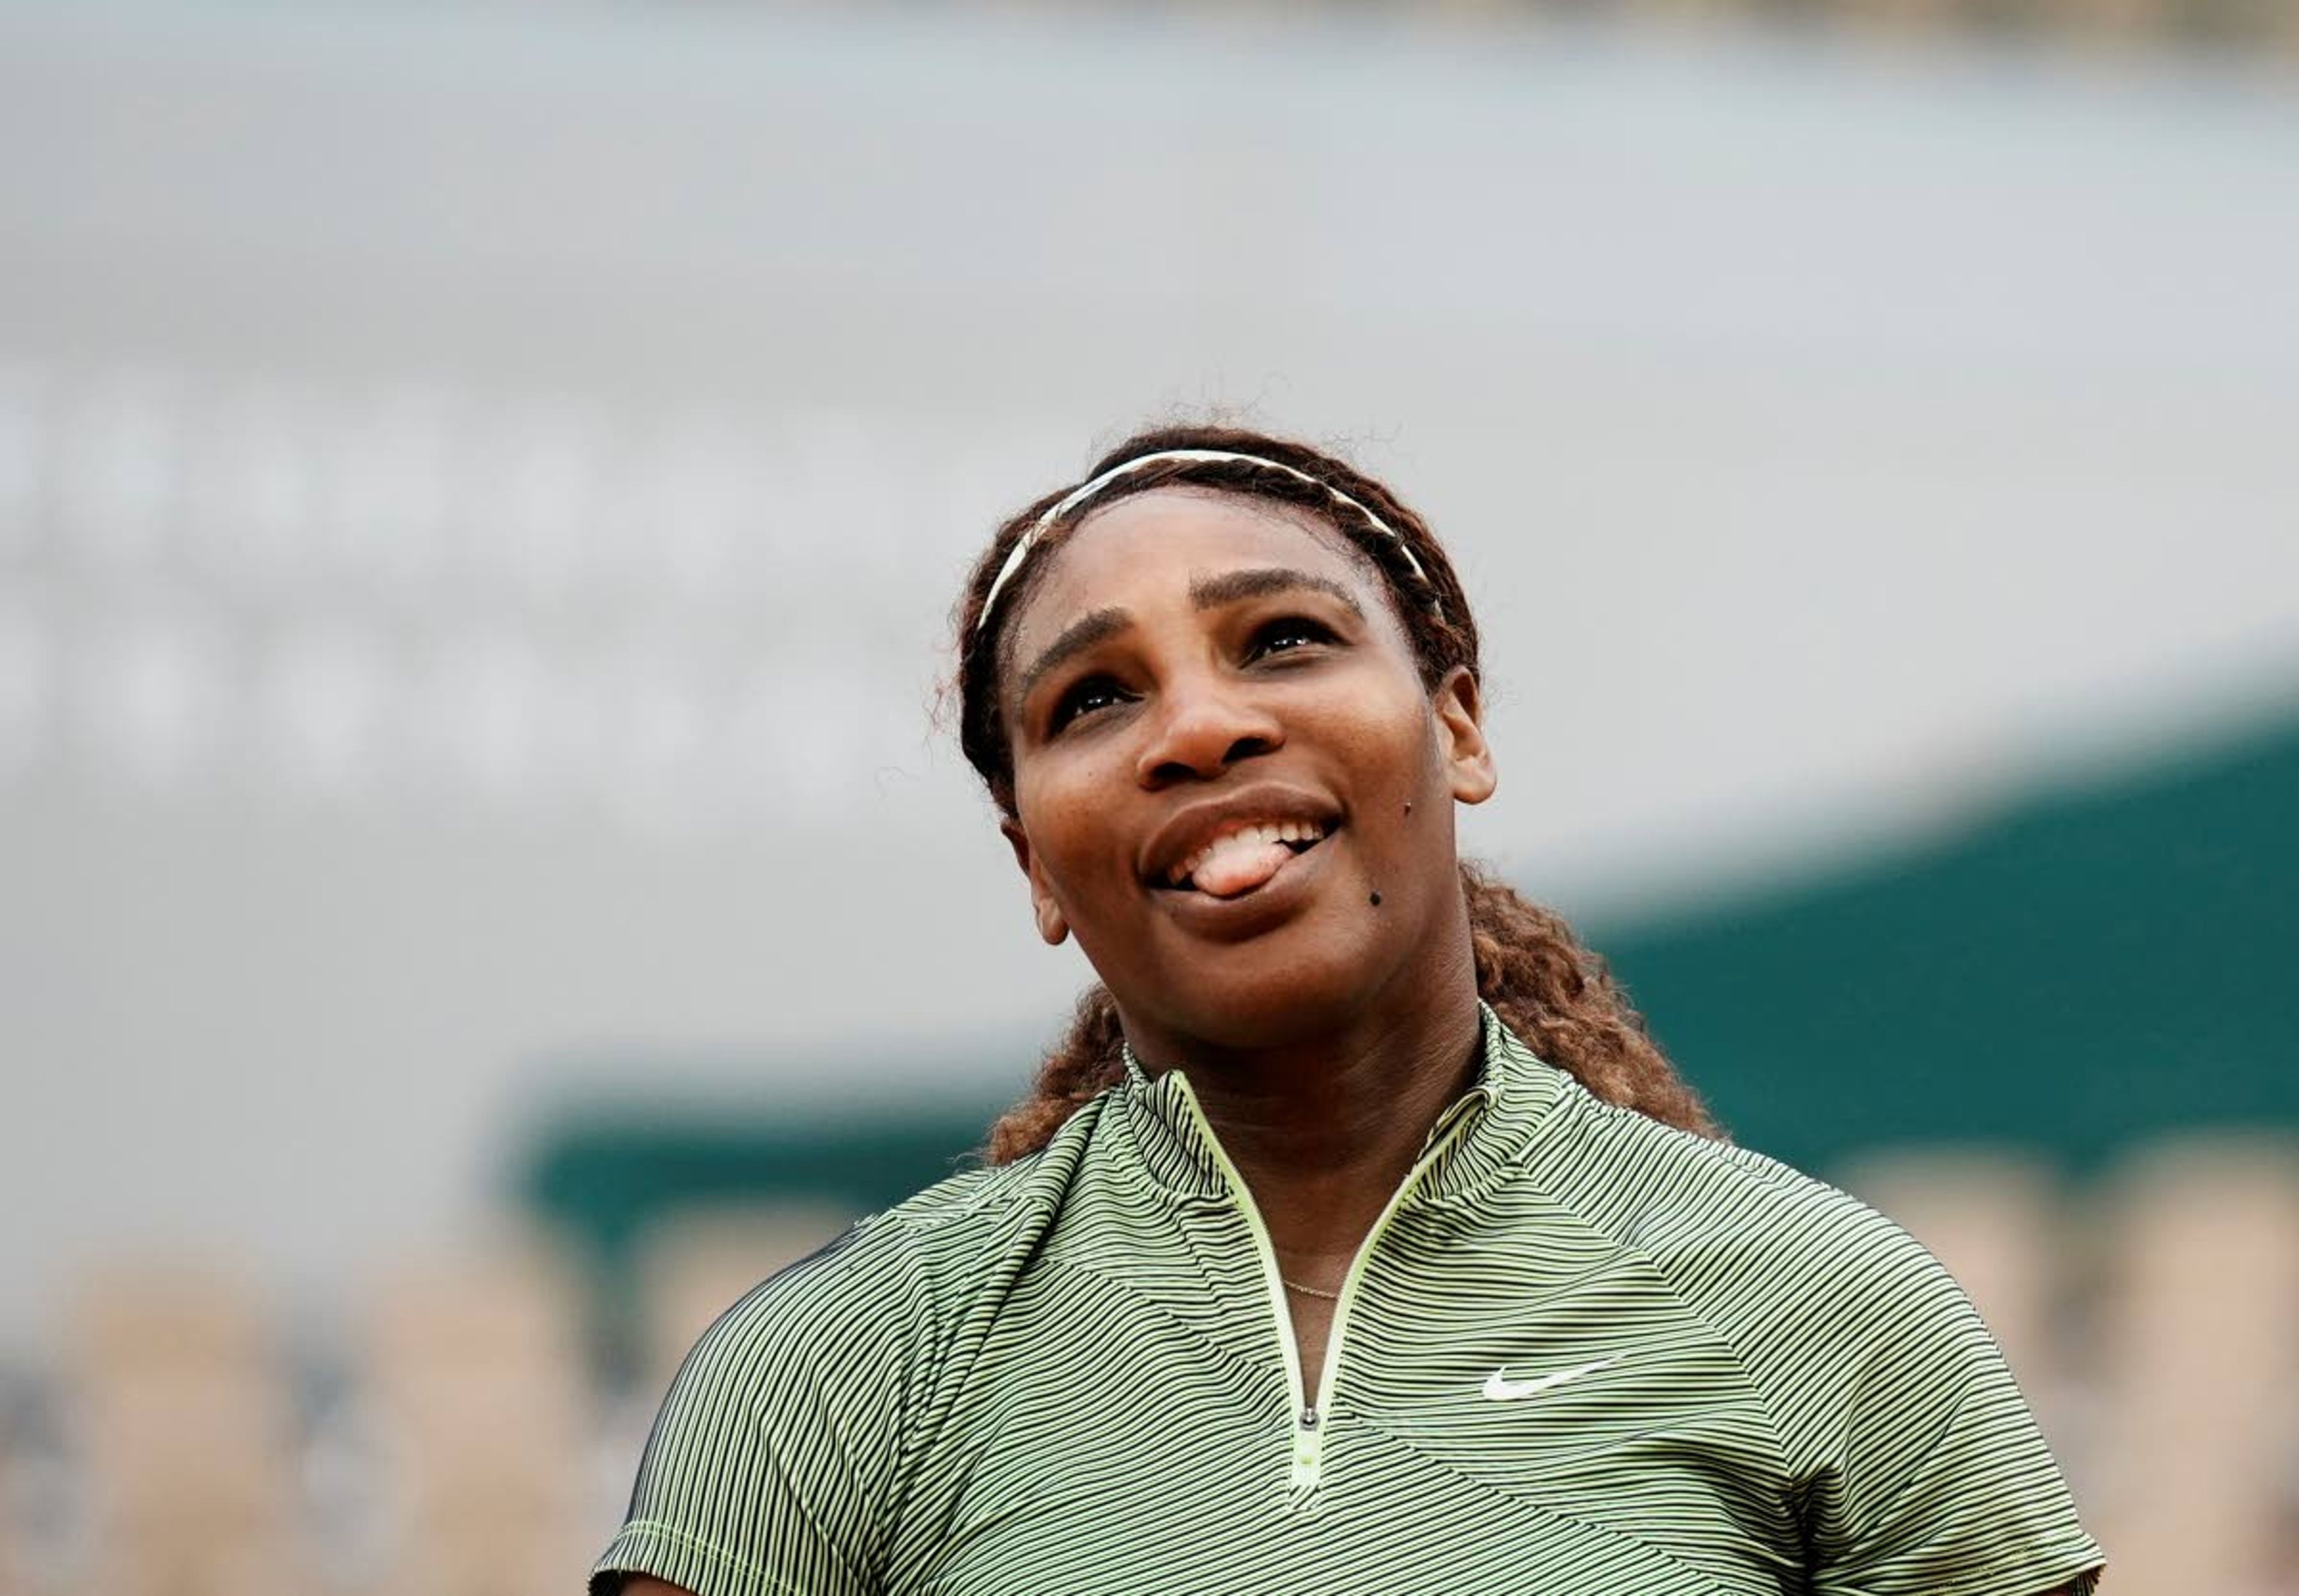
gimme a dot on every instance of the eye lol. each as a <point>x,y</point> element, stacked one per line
<point>1085,696</point>
<point>1288,633</point>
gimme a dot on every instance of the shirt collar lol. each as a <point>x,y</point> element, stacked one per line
<point>1512,1091</point>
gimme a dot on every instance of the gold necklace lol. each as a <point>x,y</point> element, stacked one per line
<point>1310,1290</point>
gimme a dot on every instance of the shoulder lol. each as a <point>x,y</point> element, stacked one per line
<point>850,1303</point>
<point>914,1265</point>
<point>1914,1463</point>
<point>786,1447</point>
<point>1820,1295</point>
<point>1688,1201</point>
<point>968,1234</point>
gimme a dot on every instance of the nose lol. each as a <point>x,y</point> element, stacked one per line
<point>1201,726</point>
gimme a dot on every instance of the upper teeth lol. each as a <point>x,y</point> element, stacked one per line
<point>1258,835</point>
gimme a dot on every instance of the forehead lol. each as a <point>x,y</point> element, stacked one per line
<point>1151,546</point>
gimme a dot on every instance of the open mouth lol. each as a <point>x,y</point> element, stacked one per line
<point>1244,857</point>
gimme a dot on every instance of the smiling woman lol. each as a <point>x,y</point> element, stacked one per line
<point>1356,1238</point>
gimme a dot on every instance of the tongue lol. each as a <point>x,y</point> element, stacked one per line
<point>1240,867</point>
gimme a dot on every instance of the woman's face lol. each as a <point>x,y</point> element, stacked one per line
<point>1222,755</point>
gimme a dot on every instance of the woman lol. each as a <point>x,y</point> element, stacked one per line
<point>1357,1239</point>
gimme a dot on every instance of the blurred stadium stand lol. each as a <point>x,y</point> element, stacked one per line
<point>2228,23</point>
<point>2246,24</point>
<point>183,1415</point>
<point>2198,1329</point>
<point>482,1414</point>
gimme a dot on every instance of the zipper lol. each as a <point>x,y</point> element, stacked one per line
<point>1308,1420</point>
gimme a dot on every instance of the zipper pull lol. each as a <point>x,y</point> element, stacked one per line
<point>1308,1448</point>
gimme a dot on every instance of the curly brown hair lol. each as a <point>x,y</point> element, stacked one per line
<point>1543,982</point>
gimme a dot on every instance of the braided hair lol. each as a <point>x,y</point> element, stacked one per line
<point>1544,983</point>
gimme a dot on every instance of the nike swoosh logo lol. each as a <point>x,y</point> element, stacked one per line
<point>1500,1388</point>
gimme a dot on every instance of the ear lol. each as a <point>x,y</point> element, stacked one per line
<point>1051,924</point>
<point>1460,711</point>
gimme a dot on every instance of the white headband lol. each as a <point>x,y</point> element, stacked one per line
<point>1086,490</point>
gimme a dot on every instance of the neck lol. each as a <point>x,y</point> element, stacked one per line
<point>1325,1127</point>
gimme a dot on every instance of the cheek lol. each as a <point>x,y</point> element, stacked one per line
<point>1393,748</point>
<point>1064,806</point>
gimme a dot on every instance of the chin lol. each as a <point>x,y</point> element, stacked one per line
<point>1257,996</point>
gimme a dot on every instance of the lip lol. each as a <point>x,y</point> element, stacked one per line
<point>1281,898</point>
<point>1190,828</point>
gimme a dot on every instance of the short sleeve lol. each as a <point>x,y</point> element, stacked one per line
<point>1939,1482</point>
<point>772,1466</point>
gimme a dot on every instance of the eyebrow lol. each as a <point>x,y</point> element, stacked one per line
<point>1206,593</point>
<point>1076,637</point>
<point>1210,592</point>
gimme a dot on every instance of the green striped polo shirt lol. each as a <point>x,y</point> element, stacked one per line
<point>1581,1354</point>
